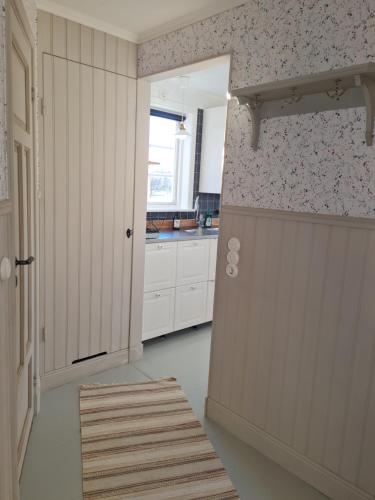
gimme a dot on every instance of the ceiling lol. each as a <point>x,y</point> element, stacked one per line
<point>204,88</point>
<point>137,20</point>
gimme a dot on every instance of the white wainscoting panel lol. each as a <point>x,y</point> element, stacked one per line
<point>293,350</point>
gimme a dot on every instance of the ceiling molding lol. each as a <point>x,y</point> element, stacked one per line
<point>86,20</point>
<point>180,22</point>
<point>184,21</point>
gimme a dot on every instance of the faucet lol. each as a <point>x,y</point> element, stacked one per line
<point>196,209</point>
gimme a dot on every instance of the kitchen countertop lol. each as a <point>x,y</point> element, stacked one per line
<point>184,234</point>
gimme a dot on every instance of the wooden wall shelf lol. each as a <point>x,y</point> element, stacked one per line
<point>333,83</point>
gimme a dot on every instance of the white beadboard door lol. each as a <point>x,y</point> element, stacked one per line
<point>89,143</point>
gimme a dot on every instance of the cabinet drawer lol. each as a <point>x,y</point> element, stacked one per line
<point>160,266</point>
<point>213,258</point>
<point>190,305</point>
<point>210,300</point>
<point>192,261</point>
<point>158,313</point>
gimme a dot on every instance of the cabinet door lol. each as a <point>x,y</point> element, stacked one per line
<point>210,300</point>
<point>160,266</point>
<point>213,257</point>
<point>192,261</point>
<point>191,303</point>
<point>212,156</point>
<point>158,313</point>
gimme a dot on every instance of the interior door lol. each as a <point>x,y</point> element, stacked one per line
<point>89,142</point>
<point>21,61</point>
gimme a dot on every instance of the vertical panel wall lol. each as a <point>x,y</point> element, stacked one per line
<point>88,129</point>
<point>293,351</point>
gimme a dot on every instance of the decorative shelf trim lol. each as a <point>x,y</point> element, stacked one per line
<point>332,83</point>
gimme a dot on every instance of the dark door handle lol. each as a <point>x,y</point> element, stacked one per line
<point>129,233</point>
<point>26,262</point>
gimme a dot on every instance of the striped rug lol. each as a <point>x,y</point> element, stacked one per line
<point>142,441</point>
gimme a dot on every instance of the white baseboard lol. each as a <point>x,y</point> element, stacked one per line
<point>317,476</point>
<point>73,372</point>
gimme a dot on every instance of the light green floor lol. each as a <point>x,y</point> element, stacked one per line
<point>52,468</point>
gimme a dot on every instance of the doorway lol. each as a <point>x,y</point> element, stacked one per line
<point>187,120</point>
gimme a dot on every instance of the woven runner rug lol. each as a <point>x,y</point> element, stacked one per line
<point>142,441</point>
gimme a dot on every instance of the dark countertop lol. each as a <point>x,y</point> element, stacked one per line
<point>184,234</point>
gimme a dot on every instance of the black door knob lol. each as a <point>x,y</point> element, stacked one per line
<point>26,262</point>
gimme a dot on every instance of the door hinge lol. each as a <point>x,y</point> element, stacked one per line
<point>33,94</point>
<point>43,334</point>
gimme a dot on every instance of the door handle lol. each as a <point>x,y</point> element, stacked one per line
<point>129,232</point>
<point>26,262</point>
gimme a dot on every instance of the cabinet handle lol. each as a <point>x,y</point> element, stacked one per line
<point>193,288</point>
<point>157,295</point>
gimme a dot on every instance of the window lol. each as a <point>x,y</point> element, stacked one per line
<point>165,153</point>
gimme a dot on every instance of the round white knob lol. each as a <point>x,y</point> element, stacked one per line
<point>233,258</point>
<point>234,244</point>
<point>5,269</point>
<point>232,270</point>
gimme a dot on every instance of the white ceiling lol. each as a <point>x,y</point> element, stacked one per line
<point>137,20</point>
<point>204,88</point>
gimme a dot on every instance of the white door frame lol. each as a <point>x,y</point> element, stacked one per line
<point>139,219</point>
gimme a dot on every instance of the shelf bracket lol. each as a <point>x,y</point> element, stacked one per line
<point>253,105</point>
<point>368,88</point>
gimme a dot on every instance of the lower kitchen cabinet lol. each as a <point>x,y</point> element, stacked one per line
<point>190,305</point>
<point>179,285</point>
<point>210,300</point>
<point>158,313</point>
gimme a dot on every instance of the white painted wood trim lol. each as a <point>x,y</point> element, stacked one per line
<point>327,219</point>
<point>140,210</point>
<point>90,367</point>
<point>181,22</point>
<point>318,477</point>
<point>84,19</point>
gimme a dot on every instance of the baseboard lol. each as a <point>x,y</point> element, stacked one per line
<point>73,372</point>
<point>315,475</point>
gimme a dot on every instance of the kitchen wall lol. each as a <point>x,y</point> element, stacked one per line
<point>314,163</point>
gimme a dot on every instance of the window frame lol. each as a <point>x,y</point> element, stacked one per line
<point>179,159</point>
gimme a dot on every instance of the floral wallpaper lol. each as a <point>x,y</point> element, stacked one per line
<point>316,163</point>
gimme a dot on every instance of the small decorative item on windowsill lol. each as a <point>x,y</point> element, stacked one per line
<point>176,222</point>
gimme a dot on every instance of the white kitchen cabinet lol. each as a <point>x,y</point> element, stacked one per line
<point>210,300</point>
<point>213,258</point>
<point>212,155</point>
<point>190,307</point>
<point>158,313</point>
<point>192,261</point>
<point>160,266</point>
